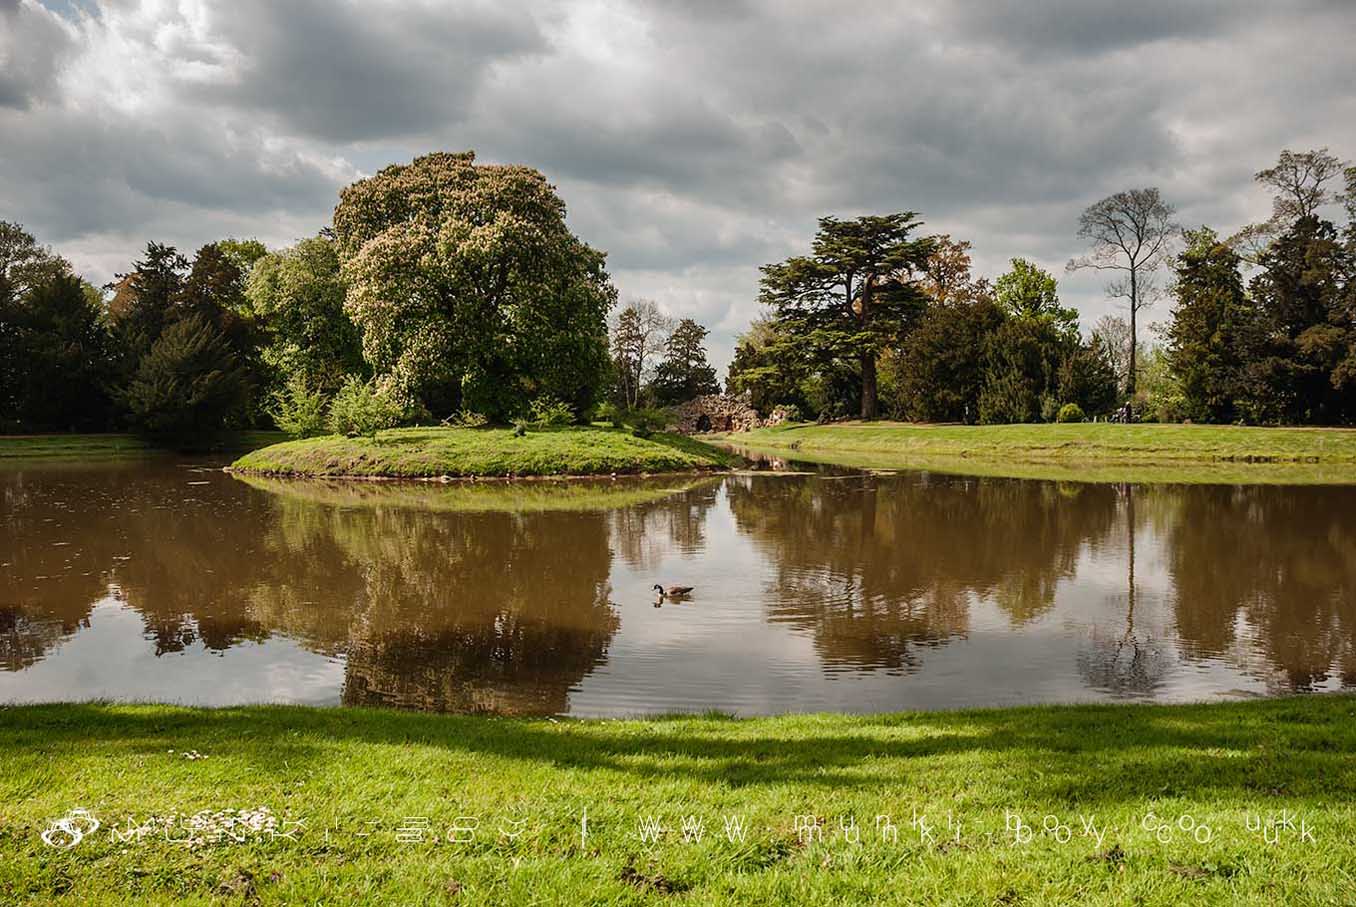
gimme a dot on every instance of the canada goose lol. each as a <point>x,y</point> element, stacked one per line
<point>672,591</point>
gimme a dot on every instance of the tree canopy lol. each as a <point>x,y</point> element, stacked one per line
<point>852,295</point>
<point>469,289</point>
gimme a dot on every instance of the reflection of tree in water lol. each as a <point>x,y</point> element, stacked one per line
<point>875,566</point>
<point>494,612</point>
<point>1281,558</point>
<point>57,544</point>
<point>1129,662</point>
<point>644,533</point>
<point>485,610</point>
<point>24,640</point>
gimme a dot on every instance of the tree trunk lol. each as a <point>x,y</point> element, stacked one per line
<point>868,355</point>
<point>868,385</point>
<point>1130,378</point>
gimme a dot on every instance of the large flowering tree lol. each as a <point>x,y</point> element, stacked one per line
<point>469,289</point>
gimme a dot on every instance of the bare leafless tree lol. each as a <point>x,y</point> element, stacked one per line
<point>640,332</point>
<point>1131,233</point>
<point>1299,185</point>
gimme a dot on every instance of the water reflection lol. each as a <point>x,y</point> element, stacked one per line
<point>875,567</point>
<point>853,592</point>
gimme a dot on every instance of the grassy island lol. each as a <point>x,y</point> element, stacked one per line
<point>415,453</point>
<point>1086,452</point>
<point>1230,803</point>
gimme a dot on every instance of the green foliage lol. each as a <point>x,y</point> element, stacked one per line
<point>766,367</point>
<point>299,295</point>
<point>469,289</point>
<point>611,413</point>
<point>1071,412</point>
<point>358,409</point>
<point>937,376</point>
<point>466,418</point>
<point>143,303</point>
<point>243,253</point>
<point>1208,325</point>
<point>299,409</point>
<point>1087,377</point>
<point>188,385</point>
<point>1158,394</point>
<point>547,410</point>
<point>852,297</point>
<point>1302,332</point>
<point>55,356</point>
<point>1021,365</point>
<point>1028,292</point>
<point>684,372</point>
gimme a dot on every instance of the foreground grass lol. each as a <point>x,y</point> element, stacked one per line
<point>98,447</point>
<point>1112,801</point>
<point>490,452</point>
<point>1087,452</point>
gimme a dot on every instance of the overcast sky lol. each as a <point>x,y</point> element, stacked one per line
<point>691,141</point>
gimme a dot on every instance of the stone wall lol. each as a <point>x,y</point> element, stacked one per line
<point>715,412</point>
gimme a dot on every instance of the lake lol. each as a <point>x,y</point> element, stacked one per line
<point>170,580</point>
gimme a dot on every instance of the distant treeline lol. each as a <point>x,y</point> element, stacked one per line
<point>447,290</point>
<point>875,321</point>
<point>444,290</point>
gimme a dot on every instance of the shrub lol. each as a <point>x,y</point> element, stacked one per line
<point>654,418</point>
<point>547,410</point>
<point>299,410</point>
<point>612,414</point>
<point>359,410</point>
<point>466,418</point>
<point>1071,412</point>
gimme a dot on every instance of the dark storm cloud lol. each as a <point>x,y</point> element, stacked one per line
<point>347,71</point>
<point>1093,27</point>
<point>693,141</point>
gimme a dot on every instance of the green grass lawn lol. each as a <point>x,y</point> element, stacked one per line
<point>100,447</point>
<point>1089,451</point>
<point>490,452</point>
<point>1114,805</point>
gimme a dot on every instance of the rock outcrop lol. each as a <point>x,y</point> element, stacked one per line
<point>715,412</point>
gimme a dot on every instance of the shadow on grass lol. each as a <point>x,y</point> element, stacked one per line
<point>1085,754</point>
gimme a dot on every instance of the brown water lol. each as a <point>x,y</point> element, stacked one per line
<point>176,582</point>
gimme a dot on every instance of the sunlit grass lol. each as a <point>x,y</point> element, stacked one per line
<point>100,447</point>
<point>490,452</point>
<point>346,772</point>
<point>1083,452</point>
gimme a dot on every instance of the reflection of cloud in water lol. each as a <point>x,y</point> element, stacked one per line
<point>109,659</point>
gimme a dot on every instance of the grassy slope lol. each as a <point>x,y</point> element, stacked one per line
<point>110,446</point>
<point>427,452</point>
<point>353,771</point>
<point>1100,452</point>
